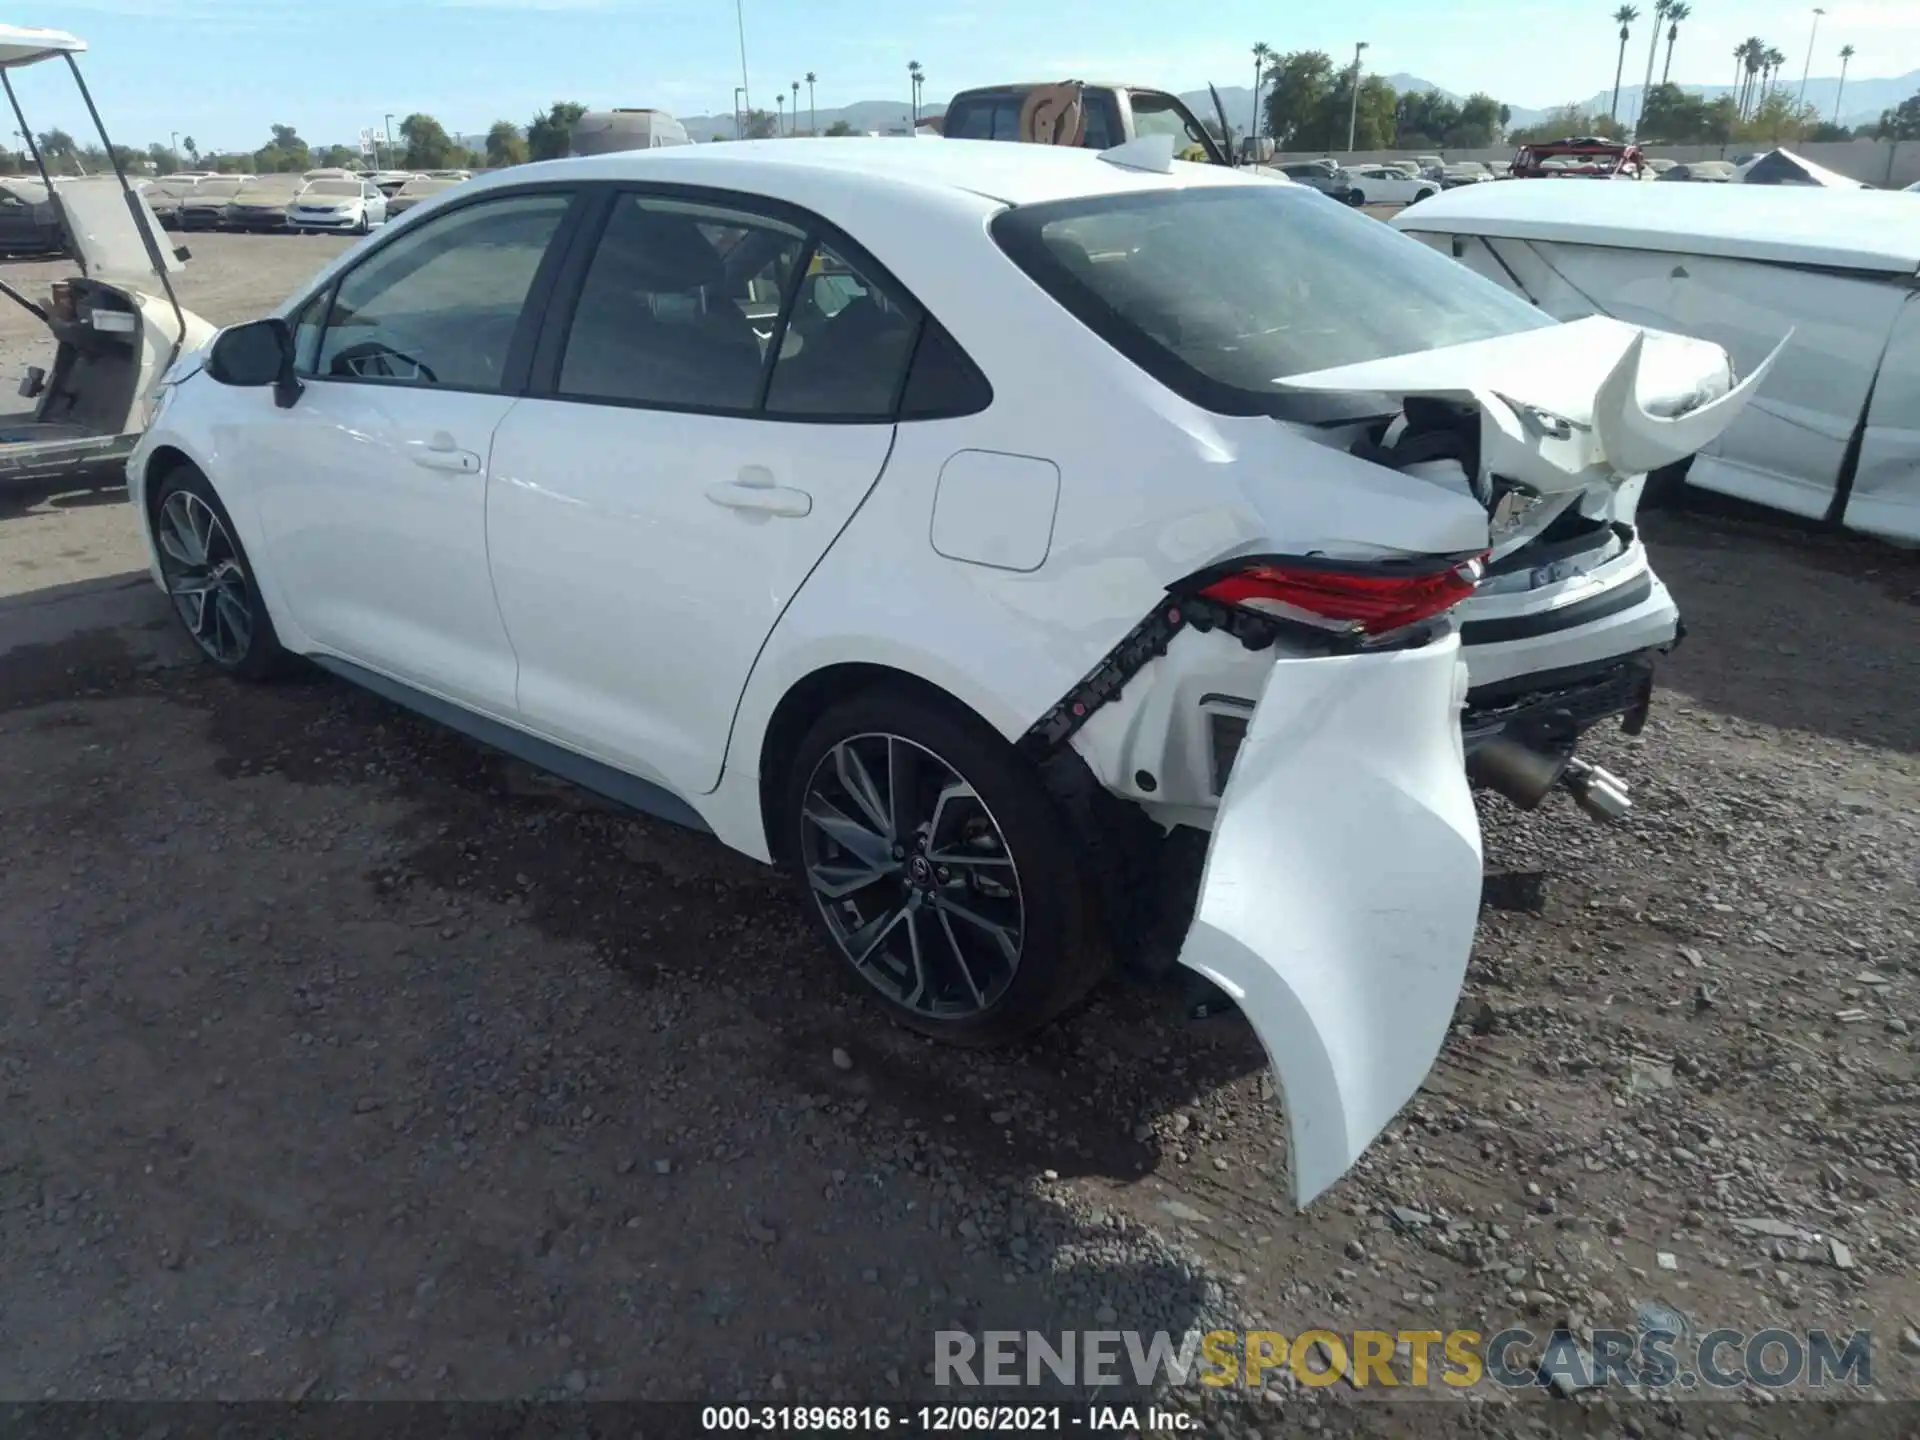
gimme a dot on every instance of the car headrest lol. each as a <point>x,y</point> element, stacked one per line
<point>660,252</point>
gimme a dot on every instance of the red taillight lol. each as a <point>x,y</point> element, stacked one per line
<point>1374,601</point>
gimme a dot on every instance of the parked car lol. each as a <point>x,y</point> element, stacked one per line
<point>205,208</point>
<point>1831,433</point>
<point>953,582</point>
<point>260,203</point>
<point>1579,157</point>
<point>115,326</point>
<point>388,182</point>
<point>1336,183</point>
<point>349,204</point>
<point>1389,185</point>
<point>416,189</point>
<point>1080,113</point>
<point>1712,172</point>
<point>1464,172</point>
<point>29,221</point>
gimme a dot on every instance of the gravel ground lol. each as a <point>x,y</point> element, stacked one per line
<point>341,1057</point>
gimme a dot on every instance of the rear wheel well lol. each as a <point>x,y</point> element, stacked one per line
<point>805,703</point>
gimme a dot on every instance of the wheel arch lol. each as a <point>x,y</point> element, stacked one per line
<point>165,459</point>
<point>810,697</point>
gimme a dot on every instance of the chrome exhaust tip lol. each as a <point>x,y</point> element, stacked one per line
<point>1600,793</point>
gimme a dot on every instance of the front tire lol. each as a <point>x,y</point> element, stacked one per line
<point>209,579</point>
<point>940,869</point>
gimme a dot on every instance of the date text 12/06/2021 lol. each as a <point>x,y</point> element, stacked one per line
<point>946,1419</point>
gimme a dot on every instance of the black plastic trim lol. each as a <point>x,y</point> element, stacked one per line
<point>616,785</point>
<point>1567,617</point>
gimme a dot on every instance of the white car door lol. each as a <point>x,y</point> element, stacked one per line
<point>375,204</point>
<point>372,487</point>
<point>654,511</point>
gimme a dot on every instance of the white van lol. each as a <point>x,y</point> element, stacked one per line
<point>1834,432</point>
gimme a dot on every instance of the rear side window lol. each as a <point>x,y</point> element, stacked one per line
<point>943,382</point>
<point>440,304</point>
<point>846,346</point>
<point>679,306</point>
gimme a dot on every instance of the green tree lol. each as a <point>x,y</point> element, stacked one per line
<point>550,133</point>
<point>505,144</point>
<point>1479,123</point>
<point>1674,117</point>
<point>1300,82</point>
<point>338,157</point>
<point>285,152</point>
<point>1624,18</point>
<point>1423,118</point>
<point>761,126</point>
<point>193,151</point>
<point>1900,123</point>
<point>429,147</point>
<point>164,161</point>
<point>839,127</point>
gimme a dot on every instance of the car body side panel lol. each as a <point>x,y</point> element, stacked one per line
<point>1885,499</point>
<point>1342,888</point>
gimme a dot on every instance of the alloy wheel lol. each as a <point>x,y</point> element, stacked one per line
<point>205,580</point>
<point>913,876</point>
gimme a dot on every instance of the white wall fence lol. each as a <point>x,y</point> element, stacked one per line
<point>1890,164</point>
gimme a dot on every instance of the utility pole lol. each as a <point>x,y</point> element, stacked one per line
<point>740,18</point>
<point>389,139</point>
<point>739,112</point>
<point>1808,69</point>
<point>1353,114</point>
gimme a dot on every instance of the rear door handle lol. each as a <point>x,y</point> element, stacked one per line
<point>754,490</point>
<point>442,453</point>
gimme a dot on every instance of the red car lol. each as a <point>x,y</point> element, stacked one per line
<point>1582,157</point>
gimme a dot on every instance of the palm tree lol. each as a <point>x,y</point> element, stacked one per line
<point>1775,59</point>
<point>1676,12</point>
<point>813,124</point>
<point>796,107</point>
<point>779,113</point>
<point>1262,53</point>
<point>913,81</point>
<point>1846,54</point>
<point>1624,17</point>
<point>1751,51</point>
<point>1653,49</point>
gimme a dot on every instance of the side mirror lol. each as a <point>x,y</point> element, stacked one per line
<point>257,353</point>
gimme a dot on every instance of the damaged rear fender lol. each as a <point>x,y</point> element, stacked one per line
<point>1342,887</point>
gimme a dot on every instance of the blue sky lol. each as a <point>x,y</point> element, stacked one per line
<point>223,70</point>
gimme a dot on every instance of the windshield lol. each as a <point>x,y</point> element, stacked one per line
<point>216,187</point>
<point>1219,291</point>
<point>416,188</point>
<point>335,187</point>
<point>263,190</point>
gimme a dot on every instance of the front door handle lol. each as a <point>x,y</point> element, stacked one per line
<point>754,490</point>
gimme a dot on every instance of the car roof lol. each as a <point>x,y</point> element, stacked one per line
<point>796,169</point>
<point>1786,224</point>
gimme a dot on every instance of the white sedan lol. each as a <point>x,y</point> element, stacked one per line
<point>338,204</point>
<point>927,519</point>
<point>1390,185</point>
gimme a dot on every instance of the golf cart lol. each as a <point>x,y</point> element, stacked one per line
<point>118,324</point>
<point>1579,157</point>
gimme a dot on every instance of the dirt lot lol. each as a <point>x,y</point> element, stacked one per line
<point>340,1057</point>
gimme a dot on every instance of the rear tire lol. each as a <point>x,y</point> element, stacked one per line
<point>209,579</point>
<point>939,869</point>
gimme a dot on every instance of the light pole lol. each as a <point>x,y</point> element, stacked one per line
<point>1353,114</point>
<point>739,112</point>
<point>1808,69</point>
<point>173,143</point>
<point>740,19</point>
<point>390,139</point>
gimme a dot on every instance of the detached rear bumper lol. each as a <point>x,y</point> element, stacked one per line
<point>1341,890</point>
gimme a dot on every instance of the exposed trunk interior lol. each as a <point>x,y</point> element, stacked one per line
<point>85,405</point>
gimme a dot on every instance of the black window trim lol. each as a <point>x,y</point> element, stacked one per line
<point>515,369</point>
<point>563,300</point>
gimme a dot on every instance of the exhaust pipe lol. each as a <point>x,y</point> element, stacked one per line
<point>1524,775</point>
<point>1600,793</point>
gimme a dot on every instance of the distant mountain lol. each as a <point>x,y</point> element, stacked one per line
<point>1862,102</point>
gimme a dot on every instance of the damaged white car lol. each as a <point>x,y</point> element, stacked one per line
<point>117,325</point>
<point>975,529</point>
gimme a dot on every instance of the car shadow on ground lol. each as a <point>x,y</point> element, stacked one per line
<point>1813,631</point>
<point>19,497</point>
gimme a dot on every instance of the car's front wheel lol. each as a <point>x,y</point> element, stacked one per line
<point>208,578</point>
<point>940,869</point>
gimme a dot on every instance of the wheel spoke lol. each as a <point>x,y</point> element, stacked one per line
<point>1000,934</point>
<point>920,982</point>
<point>864,941</point>
<point>849,834</point>
<point>859,784</point>
<point>837,882</point>
<point>232,611</point>
<point>903,771</point>
<point>960,958</point>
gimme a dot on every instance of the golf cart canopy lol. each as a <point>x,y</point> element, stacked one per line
<point>20,45</point>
